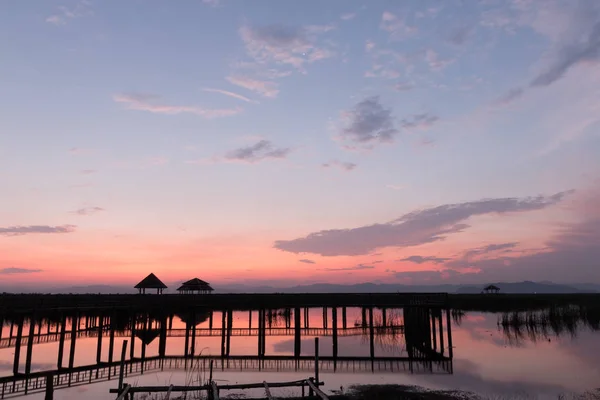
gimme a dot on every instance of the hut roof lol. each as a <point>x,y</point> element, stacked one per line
<point>150,282</point>
<point>195,284</point>
<point>491,287</point>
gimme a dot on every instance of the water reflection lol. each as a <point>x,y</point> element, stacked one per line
<point>409,339</point>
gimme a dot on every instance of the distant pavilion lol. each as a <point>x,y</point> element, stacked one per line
<point>150,282</point>
<point>195,286</point>
<point>491,289</point>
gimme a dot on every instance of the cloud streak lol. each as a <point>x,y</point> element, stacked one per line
<point>260,151</point>
<point>14,270</point>
<point>265,88</point>
<point>358,267</point>
<point>427,259</point>
<point>345,166</point>
<point>227,93</point>
<point>88,210</point>
<point>151,103</point>
<point>35,229</point>
<point>412,229</point>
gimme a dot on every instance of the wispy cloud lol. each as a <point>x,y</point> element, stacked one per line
<point>151,103</point>
<point>419,121</point>
<point>260,151</point>
<point>212,3</point>
<point>285,45</point>
<point>346,166</point>
<point>64,14</point>
<point>347,16</point>
<point>412,229</point>
<point>15,270</point>
<point>265,88</point>
<point>230,94</point>
<point>395,187</point>
<point>427,259</point>
<point>307,261</point>
<point>435,62</point>
<point>509,96</point>
<point>88,210</point>
<point>403,86</point>
<point>88,171</point>
<point>34,229</point>
<point>396,26</point>
<point>355,268</point>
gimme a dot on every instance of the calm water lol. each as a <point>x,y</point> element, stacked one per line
<point>535,356</point>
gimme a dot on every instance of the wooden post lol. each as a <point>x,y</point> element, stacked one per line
<point>223,332</point>
<point>144,335</point>
<point>61,342</point>
<point>297,335</point>
<point>187,339</point>
<point>334,336</point>
<point>193,351</point>
<point>344,320</point>
<point>317,361</point>
<point>132,343</point>
<point>439,312</point>
<point>18,346</point>
<point>260,328</point>
<point>210,321</point>
<point>449,329</point>
<point>49,388</point>
<point>74,321</point>
<point>371,338</point>
<point>229,330</point>
<point>325,317</point>
<point>122,368</point>
<point>264,335</point>
<point>249,319</point>
<point>384,316</point>
<point>162,346</point>
<point>1,326</point>
<point>99,346</point>
<point>29,348</point>
<point>432,324</point>
<point>111,339</point>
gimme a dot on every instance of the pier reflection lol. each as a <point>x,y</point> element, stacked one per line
<point>406,339</point>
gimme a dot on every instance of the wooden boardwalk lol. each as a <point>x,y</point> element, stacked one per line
<point>21,384</point>
<point>206,332</point>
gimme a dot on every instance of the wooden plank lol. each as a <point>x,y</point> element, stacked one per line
<point>215,390</point>
<point>317,391</point>
<point>267,391</point>
<point>169,392</point>
<point>125,392</point>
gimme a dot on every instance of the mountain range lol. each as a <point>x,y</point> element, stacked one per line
<point>505,287</point>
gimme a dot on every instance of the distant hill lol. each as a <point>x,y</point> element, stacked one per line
<point>530,287</point>
<point>505,287</point>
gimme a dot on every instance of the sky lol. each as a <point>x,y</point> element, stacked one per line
<point>283,143</point>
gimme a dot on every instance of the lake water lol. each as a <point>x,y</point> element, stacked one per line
<point>538,357</point>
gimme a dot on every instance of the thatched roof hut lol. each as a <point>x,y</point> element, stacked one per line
<point>197,286</point>
<point>150,282</point>
<point>491,289</point>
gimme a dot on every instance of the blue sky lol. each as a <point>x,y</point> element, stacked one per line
<point>246,123</point>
